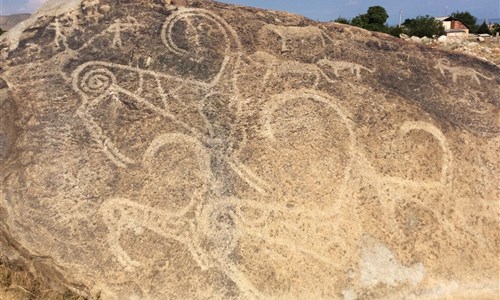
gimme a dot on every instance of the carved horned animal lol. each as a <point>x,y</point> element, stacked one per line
<point>444,65</point>
<point>289,33</point>
<point>338,66</point>
<point>278,67</point>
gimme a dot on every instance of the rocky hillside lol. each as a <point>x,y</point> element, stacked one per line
<point>7,22</point>
<point>192,150</point>
<point>486,48</point>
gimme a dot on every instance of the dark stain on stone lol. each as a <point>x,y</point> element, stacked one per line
<point>8,129</point>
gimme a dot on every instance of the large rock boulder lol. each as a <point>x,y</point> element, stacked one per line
<point>156,149</point>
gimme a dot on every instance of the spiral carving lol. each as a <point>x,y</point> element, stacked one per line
<point>97,82</point>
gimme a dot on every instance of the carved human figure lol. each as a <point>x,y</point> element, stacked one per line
<point>120,26</point>
<point>59,38</point>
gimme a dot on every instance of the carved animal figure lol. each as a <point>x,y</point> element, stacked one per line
<point>281,67</point>
<point>338,66</point>
<point>288,33</point>
<point>444,65</point>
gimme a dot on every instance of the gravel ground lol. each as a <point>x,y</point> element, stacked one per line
<point>489,49</point>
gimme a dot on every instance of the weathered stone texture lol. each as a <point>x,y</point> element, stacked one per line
<point>158,149</point>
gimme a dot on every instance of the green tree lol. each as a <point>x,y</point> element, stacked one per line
<point>395,30</point>
<point>484,28</point>
<point>377,15</point>
<point>374,19</point>
<point>360,21</point>
<point>341,20</point>
<point>468,19</point>
<point>423,26</point>
<point>1,31</point>
<point>495,29</point>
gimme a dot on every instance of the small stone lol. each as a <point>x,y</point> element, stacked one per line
<point>426,40</point>
<point>104,8</point>
<point>442,39</point>
<point>416,39</point>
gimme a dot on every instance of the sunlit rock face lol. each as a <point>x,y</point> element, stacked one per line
<point>165,150</point>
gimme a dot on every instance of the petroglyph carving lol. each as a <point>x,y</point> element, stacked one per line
<point>192,159</point>
<point>120,26</point>
<point>444,65</point>
<point>232,46</point>
<point>59,38</point>
<point>313,95</point>
<point>177,138</point>
<point>277,67</point>
<point>193,232</point>
<point>97,82</point>
<point>169,225</point>
<point>94,81</point>
<point>446,168</point>
<point>289,33</point>
<point>338,66</point>
<point>304,96</point>
<point>391,188</point>
<point>446,176</point>
<point>219,222</point>
<point>210,222</point>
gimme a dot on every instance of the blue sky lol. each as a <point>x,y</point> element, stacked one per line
<point>326,10</point>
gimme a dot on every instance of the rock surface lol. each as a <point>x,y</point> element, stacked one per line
<point>157,149</point>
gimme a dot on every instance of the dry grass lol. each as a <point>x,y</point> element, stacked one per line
<point>17,284</point>
<point>494,55</point>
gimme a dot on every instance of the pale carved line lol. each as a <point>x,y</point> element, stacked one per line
<point>112,88</point>
<point>232,53</point>
<point>459,71</point>
<point>59,39</point>
<point>225,29</point>
<point>325,99</point>
<point>162,140</point>
<point>158,221</point>
<point>118,27</point>
<point>278,67</point>
<point>338,66</point>
<point>287,33</point>
<point>397,184</point>
<point>446,169</point>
